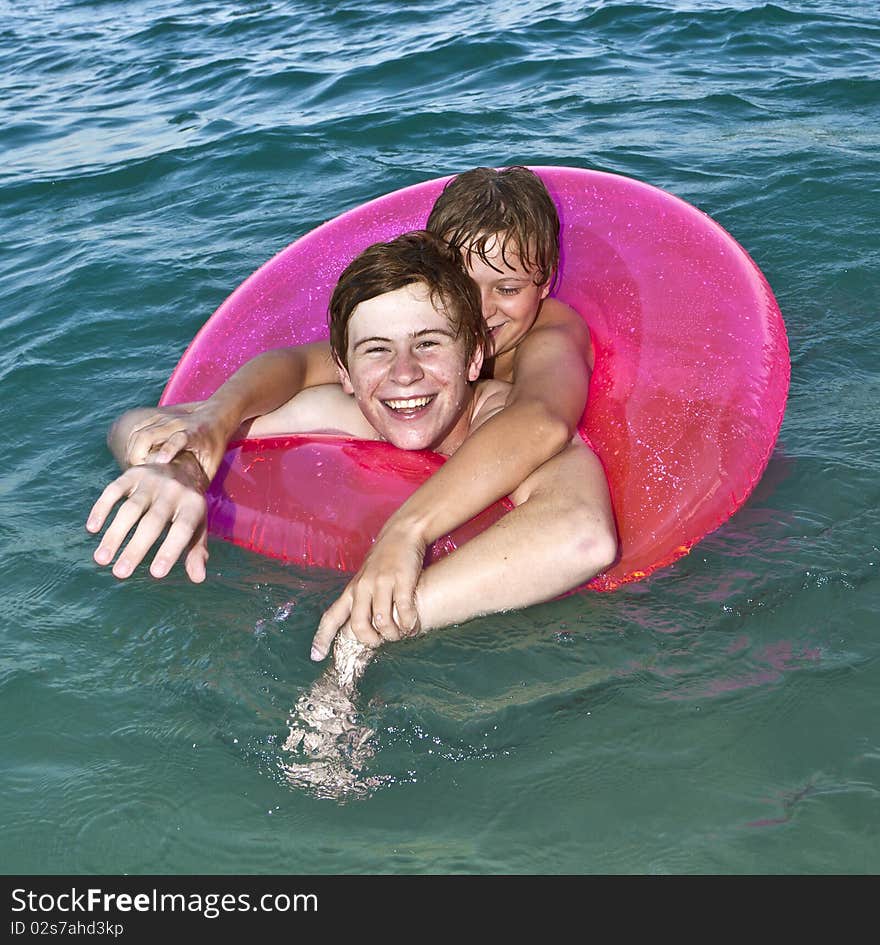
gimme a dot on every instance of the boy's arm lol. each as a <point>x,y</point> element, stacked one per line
<point>160,495</point>
<point>547,398</point>
<point>545,403</point>
<point>258,387</point>
<point>560,534</point>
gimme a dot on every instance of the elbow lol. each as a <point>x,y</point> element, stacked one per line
<point>593,547</point>
<point>551,430</point>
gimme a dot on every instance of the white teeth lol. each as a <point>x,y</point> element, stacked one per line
<point>413,403</point>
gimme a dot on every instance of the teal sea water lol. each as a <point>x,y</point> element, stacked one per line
<point>719,717</point>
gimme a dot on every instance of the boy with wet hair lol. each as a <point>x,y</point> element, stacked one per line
<point>480,203</point>
<point>505,225</point>
<point>418,256</point>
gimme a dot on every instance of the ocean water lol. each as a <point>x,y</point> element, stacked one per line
<point>720,717</point>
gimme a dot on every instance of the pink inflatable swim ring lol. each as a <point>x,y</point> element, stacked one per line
<point>686,399</point>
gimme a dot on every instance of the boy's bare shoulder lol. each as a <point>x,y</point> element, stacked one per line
<point>491,396</point>
<point>557,314</point>
<point>558,319</point>
<point>323,409</point>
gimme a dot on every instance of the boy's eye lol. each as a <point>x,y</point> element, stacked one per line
<point>376,349</point>
<point>428,343</point>
<point>508,290</point>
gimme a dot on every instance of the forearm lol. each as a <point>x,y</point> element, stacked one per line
<point>206,427</point>
<point>270,380</point>
<point>489,465</point>
<point>560,535</point>
<point>510,566</point>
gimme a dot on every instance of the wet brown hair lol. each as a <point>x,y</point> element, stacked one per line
<point>415,257</point>
<point>513,204</point>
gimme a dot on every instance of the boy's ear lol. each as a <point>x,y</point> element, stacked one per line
<point>545,288</point>
<point>344,379</point>
<point>475,365</point>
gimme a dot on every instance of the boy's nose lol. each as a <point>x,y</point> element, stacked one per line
<point>487,301</point>
<point>406,369</point>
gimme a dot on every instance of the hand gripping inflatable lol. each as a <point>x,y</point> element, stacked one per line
<point>686,399</point>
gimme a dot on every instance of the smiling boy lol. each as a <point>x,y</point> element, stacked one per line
<point>408,337</point>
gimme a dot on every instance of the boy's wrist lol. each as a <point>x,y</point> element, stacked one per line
<point>408,527</point>
<point>189,465</point>
<point>225,412</point>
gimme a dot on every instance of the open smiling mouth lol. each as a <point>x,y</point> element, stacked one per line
<point>408,406</point>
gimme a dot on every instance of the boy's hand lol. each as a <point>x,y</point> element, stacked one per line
<point>380,601</point>
<point>155,496</point>
<point>200,429</point>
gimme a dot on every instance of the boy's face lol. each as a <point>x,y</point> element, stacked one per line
<point>408,371</point>
<point>510,297</point>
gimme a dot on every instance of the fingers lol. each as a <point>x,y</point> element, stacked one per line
<point>150,527</point>
<point>174,430</point>
<point>372,612</point>
<point>373,618</point>
<point>137,448</point>
<point>374,605</point>
<point>108,498</point>
<point>361,619</point>
<point>386,607</point>
<point>333,619</point>
<point>406,614</point>
<point>196,562</point>
<point>142,440</point>
<point>176,443</point>
<point>124,521</point>
<point>393,610</point>
<point>155,500</point>
<point>186,532</point>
